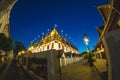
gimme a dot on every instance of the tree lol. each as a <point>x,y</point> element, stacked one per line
<point>18,47</point>
<point>6,43</point>
<point>87,55</point>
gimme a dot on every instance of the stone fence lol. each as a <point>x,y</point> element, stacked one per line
<point>47,65</point>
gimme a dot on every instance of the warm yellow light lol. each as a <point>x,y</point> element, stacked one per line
<point>32,47</point>
<point>22,51</point>
<point>86,43</point>
<point>86,40</point>
<point>19,53</point>
<point>29,49</point>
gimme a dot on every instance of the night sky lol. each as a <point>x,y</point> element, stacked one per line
<point>29,18</point>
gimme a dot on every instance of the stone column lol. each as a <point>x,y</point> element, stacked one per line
<point>54,70</point>
<point>111,42</point>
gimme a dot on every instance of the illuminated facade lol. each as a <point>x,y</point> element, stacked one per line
<point>5,9</point>
<point>53,41</point>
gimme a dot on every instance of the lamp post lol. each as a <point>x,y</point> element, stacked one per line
<point>86,40</point>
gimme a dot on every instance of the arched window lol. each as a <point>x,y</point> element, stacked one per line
<point>103,55</point>
<point>59,45</point>
<point>47,46</point>
<point>62,46</point>
<point>52,45</point>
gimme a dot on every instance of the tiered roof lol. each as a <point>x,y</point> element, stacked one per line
<point>54,35</point>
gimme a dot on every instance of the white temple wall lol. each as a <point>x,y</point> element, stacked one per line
<point>57,45</point>
<point>64,61</point>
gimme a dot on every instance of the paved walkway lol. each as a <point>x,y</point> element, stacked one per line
<point>13,71</point>
<point>79,71</point>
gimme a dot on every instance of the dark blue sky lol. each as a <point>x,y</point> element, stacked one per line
<point>29,18</point>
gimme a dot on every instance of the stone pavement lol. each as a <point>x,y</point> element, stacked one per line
<point>13,71</point>
<point>79,71</point>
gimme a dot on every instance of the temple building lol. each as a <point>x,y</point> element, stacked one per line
<point>53,41</point>
<point>111,17</point>
<point>49,55</point>
<point>5,9</point>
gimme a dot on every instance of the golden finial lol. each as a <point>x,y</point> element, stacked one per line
<point>62,33</point>
<point>42,35</point>
<point>55,25</point>
<point>48,30</point>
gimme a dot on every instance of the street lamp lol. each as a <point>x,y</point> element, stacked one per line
<point>86,40</point>
<point>19,53</point>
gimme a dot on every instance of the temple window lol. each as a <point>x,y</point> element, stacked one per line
<point>59,45</point>
<point>52,45</point>
<point>103,55</point>
<point>47,46</point>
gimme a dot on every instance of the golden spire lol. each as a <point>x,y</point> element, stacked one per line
<point>55,25</point>
<point>42,38</point>
<point>42,35</point>
<point>54,31</point>
<point>54,35</point>
<point>62,33</point>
